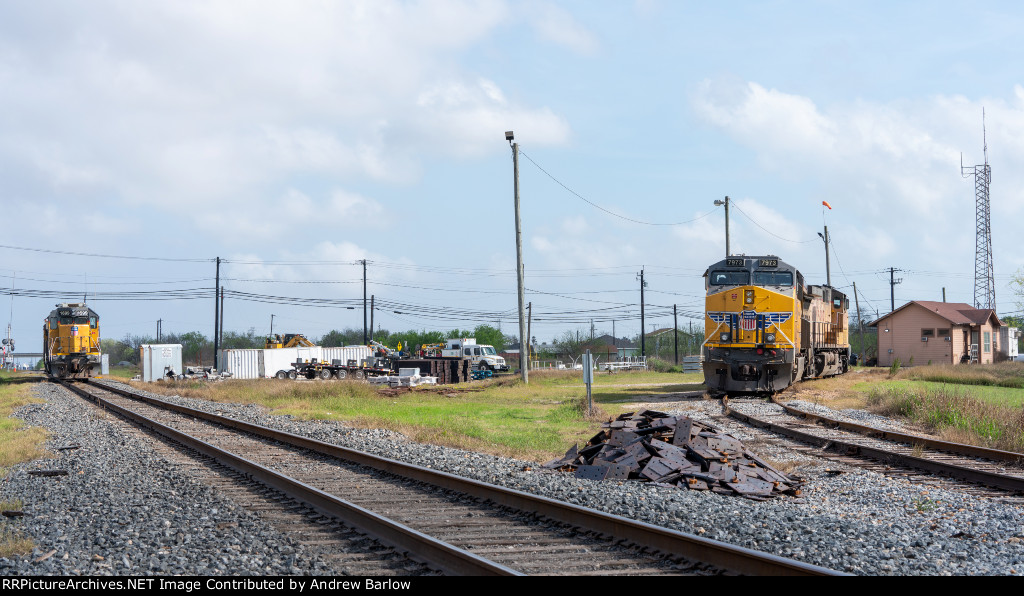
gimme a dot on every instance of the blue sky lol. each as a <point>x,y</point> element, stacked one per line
<point>324,133</point>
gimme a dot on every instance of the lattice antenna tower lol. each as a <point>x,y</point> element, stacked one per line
<point>984,277</point>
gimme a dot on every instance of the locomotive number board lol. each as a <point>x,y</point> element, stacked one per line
<point>768,262</point>
<point>734,262</point>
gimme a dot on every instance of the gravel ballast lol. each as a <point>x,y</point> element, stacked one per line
<point>129,506</point>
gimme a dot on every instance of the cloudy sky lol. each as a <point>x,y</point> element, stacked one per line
<point>295,139</point>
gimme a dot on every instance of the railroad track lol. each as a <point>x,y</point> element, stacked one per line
<point>450,524</point>
<point>978,470</point>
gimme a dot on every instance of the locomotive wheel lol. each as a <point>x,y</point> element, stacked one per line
<point>293,375</point>
<point>341,373</point>
<point>281,374</point>
<point>325,374</point>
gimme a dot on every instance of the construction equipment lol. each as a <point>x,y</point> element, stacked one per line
<point>290,340</point>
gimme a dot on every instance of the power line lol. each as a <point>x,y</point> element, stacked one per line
<point>596,206</point>
<point>105,256</point>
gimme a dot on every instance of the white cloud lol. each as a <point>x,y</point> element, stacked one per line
<point>892,166</point>
<point>557,25</point>
<point>192,107</point>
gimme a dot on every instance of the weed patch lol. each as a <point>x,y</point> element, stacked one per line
<point>951,409</point>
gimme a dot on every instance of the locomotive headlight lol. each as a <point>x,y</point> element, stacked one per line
<point>724,337</point>
<point>749,296</point>
<point>769,338</point>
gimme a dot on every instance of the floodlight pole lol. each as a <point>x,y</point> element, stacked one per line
<point>726,203</point>
<point>519,259</point>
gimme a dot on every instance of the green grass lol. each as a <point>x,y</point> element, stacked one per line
<point>1004,374</point>
<point>123,372</point>
<point>501,416</point>
<point>996,395</point>
<point>18,442</point>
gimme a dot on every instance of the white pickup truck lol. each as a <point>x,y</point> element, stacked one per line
<point>484,357</point>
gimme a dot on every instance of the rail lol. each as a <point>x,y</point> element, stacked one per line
<point>727,556</point>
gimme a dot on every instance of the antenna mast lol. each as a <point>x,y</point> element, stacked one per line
<point>984,277</point>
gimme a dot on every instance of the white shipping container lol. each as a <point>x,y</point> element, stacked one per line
<point>262,363</point>
<point>242,364</point>
<point>160,360</point>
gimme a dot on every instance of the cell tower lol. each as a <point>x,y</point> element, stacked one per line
<point>984,278</point>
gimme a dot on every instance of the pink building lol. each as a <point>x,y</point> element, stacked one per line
<point>937,333</point>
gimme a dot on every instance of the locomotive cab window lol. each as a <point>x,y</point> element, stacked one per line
<point>93,322</point>
<point>729,278</point>
<point>773,278</point>
<point>66,320</point>
<point>837,304</point>
<point>53,322</point>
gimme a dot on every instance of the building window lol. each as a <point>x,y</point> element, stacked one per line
<point>988,342</point>
<point>945,333</point>
<point>927,333</point>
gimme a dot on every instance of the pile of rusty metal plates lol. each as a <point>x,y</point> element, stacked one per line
<point>651,446</point>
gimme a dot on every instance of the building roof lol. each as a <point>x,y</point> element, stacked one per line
<point>957,313</point>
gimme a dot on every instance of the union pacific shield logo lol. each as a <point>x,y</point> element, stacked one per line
<point>748,320</point>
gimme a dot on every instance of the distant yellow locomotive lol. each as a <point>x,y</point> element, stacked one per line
<point>71,342</point>
<point>765,330</point>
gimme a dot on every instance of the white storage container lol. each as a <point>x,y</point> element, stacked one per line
<point>160,361</point>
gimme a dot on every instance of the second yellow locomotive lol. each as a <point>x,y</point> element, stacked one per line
<point>71,342</point>
<point>766,330</point>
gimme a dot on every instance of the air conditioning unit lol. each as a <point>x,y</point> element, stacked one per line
<point>948,338</point>
<point>924,338</point>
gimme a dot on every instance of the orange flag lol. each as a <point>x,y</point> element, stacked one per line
<point>825,203</point>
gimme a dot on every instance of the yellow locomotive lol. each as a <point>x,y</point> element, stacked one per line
<point>765,330</point>
<point>71,342</point>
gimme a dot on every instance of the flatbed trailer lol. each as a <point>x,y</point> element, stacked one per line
<point>323,370</point>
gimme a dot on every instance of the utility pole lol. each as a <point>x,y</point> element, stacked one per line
<point>529,334</point>
<point>371,317</point>
<point>365,336</point>
<point>519,251</point>
<point>943,294</point>
<point>726,203</point>
<point>675,327</point>
<point>220,331</point>
<point>828,271</point>
<point>860,322</point>
<point>892,288</point>
<point>271,325</point>
<point>216,316</point>
<point>159,330</point>
<point>643,336</point>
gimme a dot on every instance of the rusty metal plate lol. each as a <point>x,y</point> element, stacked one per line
<point>658,468</point>
<point>752,486</point>
<point>682,434</point>
<point>621,438</point>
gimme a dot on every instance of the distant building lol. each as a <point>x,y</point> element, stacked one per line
<point>938,332</point>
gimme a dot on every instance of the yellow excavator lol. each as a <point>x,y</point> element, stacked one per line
<point>289,340</point>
